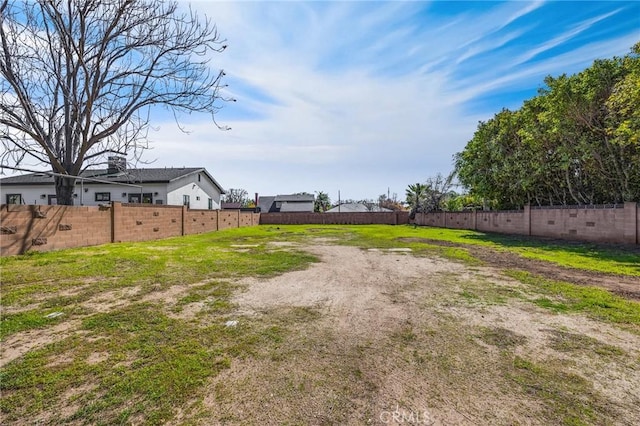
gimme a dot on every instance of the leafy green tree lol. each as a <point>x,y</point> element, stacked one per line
<point>576,142</point>
<point>322,202</point>
<point>462,202</point>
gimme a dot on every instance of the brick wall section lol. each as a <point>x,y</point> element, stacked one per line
<point>588,224</point>
<point>364,218</point>
<point>200,221</point>
<point>143,222</point>
<point>637,224</point>
<point>45,228</point>
<point>229,219</point>
<point>605,225</point>
<point>249,219</point>
<point>501,222</point>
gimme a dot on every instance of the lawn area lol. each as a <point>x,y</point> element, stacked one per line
<point>318,325</point>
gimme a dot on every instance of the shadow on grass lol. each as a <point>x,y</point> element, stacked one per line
<point>627,255</point>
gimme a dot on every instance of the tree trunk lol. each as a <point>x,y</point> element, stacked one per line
<point>65,187</point>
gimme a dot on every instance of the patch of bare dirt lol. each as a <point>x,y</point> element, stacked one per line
<point>110,300</point>
<point>394,341</point>
<point>19,344</point>
<point>622,285</point>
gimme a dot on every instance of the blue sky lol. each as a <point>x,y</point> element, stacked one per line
<point>366,97</point>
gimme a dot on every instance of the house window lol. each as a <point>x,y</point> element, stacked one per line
<point>14,198</point>
<point>186,200</point>
<point>147,198</point>
<point>210,204</point>
<point>199,178</point>
<point>158,201</point>
<point>197,198</point>
<point>103,196</point>
<point>135,198</point>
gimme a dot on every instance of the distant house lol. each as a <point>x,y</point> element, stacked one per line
<point>356,208</point>
<point>286,203</point>
<point>191,186</point>
<point>231,206</point>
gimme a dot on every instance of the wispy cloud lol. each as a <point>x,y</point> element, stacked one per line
<point>362,96</point>
<point>564,37</point>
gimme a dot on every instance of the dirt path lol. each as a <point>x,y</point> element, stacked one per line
<point>393,340</point>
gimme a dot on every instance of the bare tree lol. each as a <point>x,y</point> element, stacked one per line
<point>438,188</point>
<point>79,78</point>
<point>237,195</point>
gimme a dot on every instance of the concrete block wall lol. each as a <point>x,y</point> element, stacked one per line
<point>45,228</point>
<point>249,219</point>
<point>458,220</point>
<point>359,218</point>
<point>229,219</point>
<point>629,236</point>
<point>611,224</point>
<point>501,222</point>
<point>605,225</point>
<point>200,221</point>
<point>144,222</point>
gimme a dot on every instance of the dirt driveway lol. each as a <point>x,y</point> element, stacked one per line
<point>383,337</point>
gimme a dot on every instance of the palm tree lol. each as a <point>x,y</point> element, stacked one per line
<point>416,198</point>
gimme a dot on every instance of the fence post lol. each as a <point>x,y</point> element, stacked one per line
<point>527,219</point>
<point>184,220</point>
<point>116,217</point>
<point>630,223</point>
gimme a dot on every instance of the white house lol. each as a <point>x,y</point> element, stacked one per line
<point>192,186</point>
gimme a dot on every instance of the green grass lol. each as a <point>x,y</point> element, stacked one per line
<point>565,297</point>
<point>26,320</point>
<point>569,399</point>
<point>152,365</point>
<point>584,256</point>
<point>152,362</point>
<point>140,362</point>
<point>424,240</point>
<point>159,263</point>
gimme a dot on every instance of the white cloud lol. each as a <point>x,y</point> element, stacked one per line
<point>360,96</point>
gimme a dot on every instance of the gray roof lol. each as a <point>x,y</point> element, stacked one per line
<point>265,203</point>
<point>296,197</point>
<point>157,175</point>
<point>355,208</point>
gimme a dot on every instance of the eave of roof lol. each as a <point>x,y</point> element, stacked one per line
<point>131,176</point>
